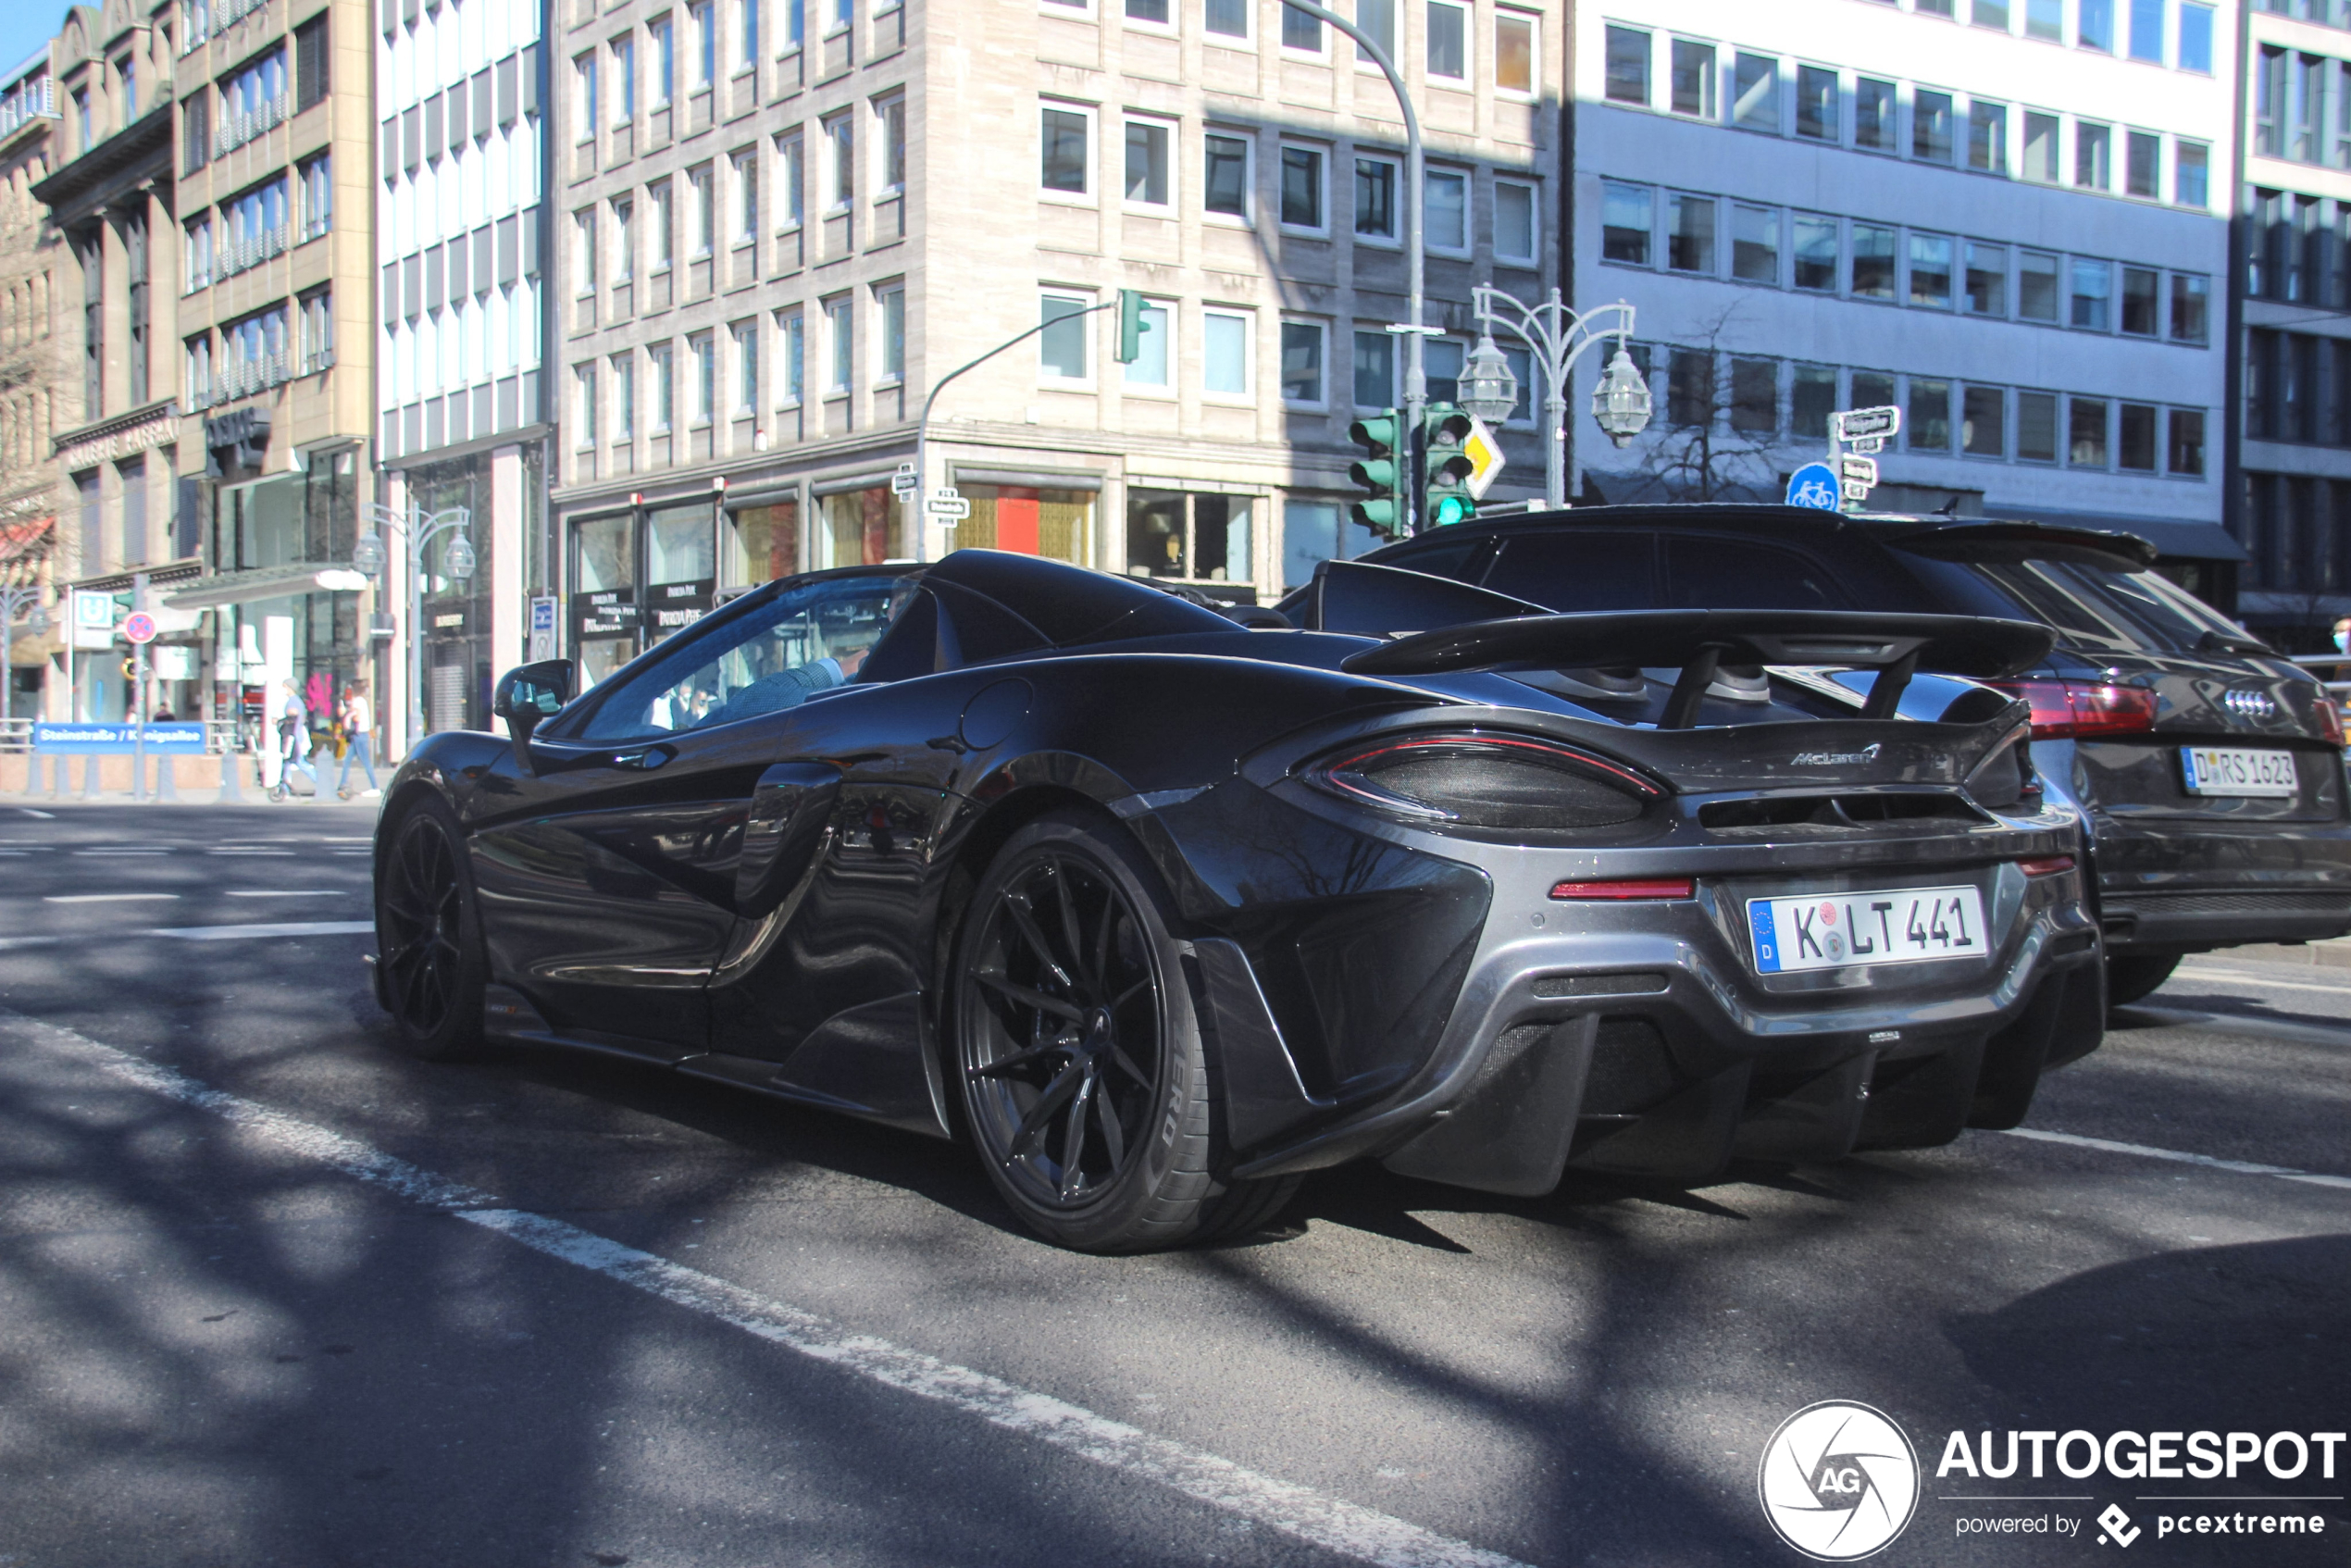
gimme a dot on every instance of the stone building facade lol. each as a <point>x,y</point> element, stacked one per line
<point>30,373</point>
<point>780,224</point>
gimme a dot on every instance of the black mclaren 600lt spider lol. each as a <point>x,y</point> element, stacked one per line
<point>1158,913</point>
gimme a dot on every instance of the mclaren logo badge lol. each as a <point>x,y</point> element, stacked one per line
<point>1835,759</point>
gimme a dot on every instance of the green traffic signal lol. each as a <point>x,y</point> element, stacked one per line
<point>1131,326</point>
<point>1381,473</point>
<point>1445,496</point>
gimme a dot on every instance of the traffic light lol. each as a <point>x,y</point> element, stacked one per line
<point>1383,508</point>
<point>1131,326</point>
<point>1445,468</point>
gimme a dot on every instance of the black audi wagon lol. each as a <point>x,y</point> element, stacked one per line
<point>2209,769</point>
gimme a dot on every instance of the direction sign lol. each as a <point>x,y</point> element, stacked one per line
<point>1871,445</point>
<point>905,482</point>
<point>139,626</point>
<point>1813,485</point>
<point>1854,492</point>
<point>1853,424</point>
<point>945,503</point>
<point>1862,471</point>
<point>1480,447</point>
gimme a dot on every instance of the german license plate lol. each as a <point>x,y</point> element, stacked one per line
<point>1888,925</point>
<point>2225,770</point>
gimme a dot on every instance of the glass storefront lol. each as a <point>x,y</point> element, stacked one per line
<point>759,544</point>
<point>458,656</point>
<point>1058,524</point>
<point>863,527</point>
<point>637,576</point>
<point>1313,531</point>
<point>1188,536</point>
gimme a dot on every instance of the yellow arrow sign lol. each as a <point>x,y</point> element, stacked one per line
<point>1480,447</point>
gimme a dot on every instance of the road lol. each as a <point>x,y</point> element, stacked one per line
<point>276,1295</point>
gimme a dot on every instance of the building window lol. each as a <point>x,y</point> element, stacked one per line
<point>1811,398</point>
<point>1872,262</point>
<point>200,370</point>
<point>623,397</point>
<point>665,387</point>
<point>1376,182</point>
<point>2036,427</point>
<point>2147,42</point>
<point>1149,157</point>
<point>589,413</point>
<point>1755,93</point>
<point>2142,296</point>
<point>2092,153</point>
<point>746,177</point>
<point>2040,148</point>
<point>2186,456</point>
<point>1931,126</point>
<point>1515,226</point>
<point>702,211</point>
<point>1061,347</point>
<point>1693,78</point>
<point>1815,238</point>
<point>1993,14</point>
<point>1152,11</point>
<point>195,132</point>
<point>1514,52</point>
<point>198,251</point>
<point>1689,389</point>
<point>746,336</point>
<point>2136,438</point>
<point>1755,244</point>
<point>2045,20</point>
<point>665,43</point>
<point>583,251</point>
<point>791,337</point>
<point>2095,26</point>
<point>1228,19</point>
<point>2191,295</point>
<point>891,301</point>
<point>1374,369</point>
<point>2142,165</point>
<point>318,197</point>
<point>584,68</point>
<point>1445,207</point>
<point>1064,168</point>
<point>2085,432</point>
<point>624,70</point>
<point>1689,233</point>
<point>702,349</point>
<point>1755,396</point>
<point>2196,53</point>
<point>1154,358</point>
<point>1448,40</point>
<point>2191,174</point>
<point>2093,293</point>
<point>1227,174</point>
<point>705,24</point>
<point>746,33</point>
<point>1927,426</point>
<point>1931,271</point>
<point>310,63</point>
<point>1377,18</point>
<point>664,229</point>
<point>840,137</point>
<point>791,177</point>
<point>1984,418</point>
<point>1300,31</point>
<point>1987,137</point>
<point>838,328</point>
<point>1872,114</point>
<point>2036,287</point>
<point>1302,363</point>
<point>1987,279</point>
<point>1816,103</point>
<point>1224,367</point>
<point>890,113</point>
<point>1303,187</point>
<point>1627,220</point>
<point>1628,67</point>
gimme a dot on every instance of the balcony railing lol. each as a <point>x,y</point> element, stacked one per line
<point>36,99</point>
<point>236,256</point>
<point>317,360</point>
<point>241,126</point>
<point>205,18</point>
<point>242,377</point>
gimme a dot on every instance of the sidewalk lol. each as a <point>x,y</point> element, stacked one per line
<point>2332,953</point>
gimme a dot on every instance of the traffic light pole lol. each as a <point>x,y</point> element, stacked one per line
<point>1415,370</point>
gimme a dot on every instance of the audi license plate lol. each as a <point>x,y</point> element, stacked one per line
<point>1889,926</point>
<point>2223,771</point>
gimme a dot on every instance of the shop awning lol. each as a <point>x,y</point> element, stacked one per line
<point>2173,537</point>
<point>266,582</point>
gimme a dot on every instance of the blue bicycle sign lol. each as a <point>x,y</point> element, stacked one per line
<point>1813,485</point>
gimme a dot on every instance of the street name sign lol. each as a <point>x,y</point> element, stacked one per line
<point>1862,471</point>
<point>905,482</point>
<point>1858,424</point>
<point>947,504</point>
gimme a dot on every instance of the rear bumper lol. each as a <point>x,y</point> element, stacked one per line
<point>1638,1039</point>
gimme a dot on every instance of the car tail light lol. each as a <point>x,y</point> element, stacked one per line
<point>2082,708</point>
<point>2330,719</point>
<point>1476,781</point>
<point>2048,866</point>
<point>1629,888</point>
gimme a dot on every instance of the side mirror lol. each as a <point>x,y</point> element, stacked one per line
<point>527,694</point>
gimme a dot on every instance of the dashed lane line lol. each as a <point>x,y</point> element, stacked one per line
<point>2147,1152</point>
<point>106,898</point>
<point>289,892</point>
<point>240,933</point>
<point>1332,1523</point>
<point>2263,982</point>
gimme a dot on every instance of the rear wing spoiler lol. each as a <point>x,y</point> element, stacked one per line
<point>2029,541</point>
<point>1695,642</point>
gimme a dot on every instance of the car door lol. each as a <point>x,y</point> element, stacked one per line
<point>607,860</point>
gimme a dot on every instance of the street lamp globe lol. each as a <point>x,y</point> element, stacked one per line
<point>367,555</point>
<point>1490,390</point>
<point>458,559</point>
<point>1621,403</point>
<point>39,622</point>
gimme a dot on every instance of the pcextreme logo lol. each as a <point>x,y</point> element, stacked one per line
<point>1839,1481</point>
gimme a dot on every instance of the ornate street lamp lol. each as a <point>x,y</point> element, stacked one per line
<point>1559,337</point>
<point>1621,403</point>
<point>1489,389</point>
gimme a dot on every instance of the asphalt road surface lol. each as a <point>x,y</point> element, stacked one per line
<point>272,1294</point>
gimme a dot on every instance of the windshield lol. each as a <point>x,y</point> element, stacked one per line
<point>774,656</point>
<point>2094,609</point>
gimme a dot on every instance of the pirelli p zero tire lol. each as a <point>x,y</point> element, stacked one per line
<point>2132,976</point>
<point>429,935</point>
<point>1076,1054</point>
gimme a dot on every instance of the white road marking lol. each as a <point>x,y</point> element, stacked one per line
<point>287,893</point>
<point>1330,1523</point>
<point>2258,1025</point>
<point>249,852</point>
<point>2146,1151</point>
<point>237,933</point>
<point>117,853</point>
<point>2263,982</point>
<point>104,898</point>
<point>44,815</point>
<point>9,944</point>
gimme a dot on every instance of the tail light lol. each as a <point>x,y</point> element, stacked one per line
<point>2085,709</point>
<point>1494,781</point>
<point>2048,865</point>
<point>2330,719</point>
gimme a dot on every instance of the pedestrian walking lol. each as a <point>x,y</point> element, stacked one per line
<point>359,739</point>
<point>293,743</point>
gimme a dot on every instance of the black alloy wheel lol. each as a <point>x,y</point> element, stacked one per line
<point>1083,1077</point>
<point>2132,977</point>
<point>428,937</point>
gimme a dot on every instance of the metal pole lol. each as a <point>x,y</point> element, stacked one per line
<point>1415,371</point>
<point>416,539</point>
<point>139,696</point>
<point>1561,337</point>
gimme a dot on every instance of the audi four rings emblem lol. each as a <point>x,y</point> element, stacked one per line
<point>2251,704</point>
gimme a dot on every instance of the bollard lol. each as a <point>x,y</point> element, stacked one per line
<point>89,778</point>
<point>166,785</point>
<point>230,794</point>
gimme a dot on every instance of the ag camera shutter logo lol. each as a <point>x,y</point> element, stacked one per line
<point>1839,1481</point>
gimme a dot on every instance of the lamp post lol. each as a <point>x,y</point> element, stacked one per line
<point>1558,337</point>
<point>418,528</point>
<point>14,602</point>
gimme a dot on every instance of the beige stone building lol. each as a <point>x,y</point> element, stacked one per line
<point>779,225</point>
<point>30,372</point>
